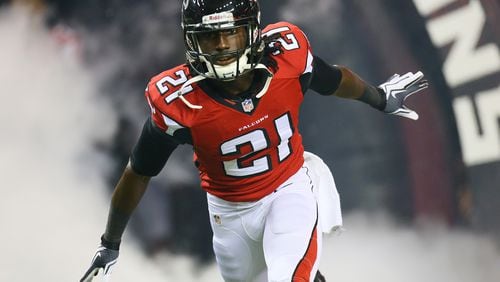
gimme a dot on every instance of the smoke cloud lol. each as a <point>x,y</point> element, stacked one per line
<point>54,199</point>
<point>375,248</point>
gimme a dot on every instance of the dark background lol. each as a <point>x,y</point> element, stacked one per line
<point>412,170</point>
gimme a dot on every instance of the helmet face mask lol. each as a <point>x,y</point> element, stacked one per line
<point>234,21</point>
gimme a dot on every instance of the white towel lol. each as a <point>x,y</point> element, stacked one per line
<point>327,196</point>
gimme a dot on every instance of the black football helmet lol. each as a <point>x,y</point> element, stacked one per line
<point>201,16</point>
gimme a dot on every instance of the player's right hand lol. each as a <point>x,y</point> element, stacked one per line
<point>104,259</point>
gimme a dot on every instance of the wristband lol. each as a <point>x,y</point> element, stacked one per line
<point>110,245</point>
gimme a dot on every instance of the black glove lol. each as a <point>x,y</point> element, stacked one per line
<point>105,257</point>
<point>397,88</point>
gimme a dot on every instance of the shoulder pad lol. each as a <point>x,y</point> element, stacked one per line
<point>167,83</point>
<point>296,57</point>
<point>161,95</point>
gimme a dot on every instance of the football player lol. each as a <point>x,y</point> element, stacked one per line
<point>236,102</point>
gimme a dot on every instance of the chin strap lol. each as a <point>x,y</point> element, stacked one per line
<point>180,93</point>
<point>268,80</point>
<point>198,78</point>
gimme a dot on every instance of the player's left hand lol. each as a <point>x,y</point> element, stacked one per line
<point>104,258</point>
<point>397,88</point>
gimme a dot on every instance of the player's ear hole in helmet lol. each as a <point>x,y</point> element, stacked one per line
<point>235,23</point>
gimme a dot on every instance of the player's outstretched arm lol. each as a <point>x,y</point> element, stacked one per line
<point>148,157</point>
<point>128,192</point>
<point>388,97</point>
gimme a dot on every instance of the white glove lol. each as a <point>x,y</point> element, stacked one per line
<point>397,88</point>
<point>104,258</point>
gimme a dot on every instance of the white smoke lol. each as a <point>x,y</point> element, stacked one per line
<point>53,201</point>
<point>374,248</point>
<point>53,198</point>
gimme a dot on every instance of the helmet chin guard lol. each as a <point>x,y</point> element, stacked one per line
<point>230,71</point>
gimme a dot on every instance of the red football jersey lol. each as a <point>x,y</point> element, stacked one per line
<point>243,149</point>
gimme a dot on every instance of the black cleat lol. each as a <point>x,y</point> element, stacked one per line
<point>319,277</point>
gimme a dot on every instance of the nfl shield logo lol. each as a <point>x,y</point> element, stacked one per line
<point>247,105</point>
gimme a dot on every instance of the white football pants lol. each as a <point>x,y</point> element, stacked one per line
<point>279,234</point>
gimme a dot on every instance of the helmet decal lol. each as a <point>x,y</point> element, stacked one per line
<point>218,18</point>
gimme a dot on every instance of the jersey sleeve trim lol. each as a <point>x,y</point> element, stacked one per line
<point>309,63</point>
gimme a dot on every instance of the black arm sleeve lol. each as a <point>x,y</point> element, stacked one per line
<point>152,150</point>
<point>374,97</point>
<point>325,77</point>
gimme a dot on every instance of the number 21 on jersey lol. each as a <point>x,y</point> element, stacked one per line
<point>258,139</point>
